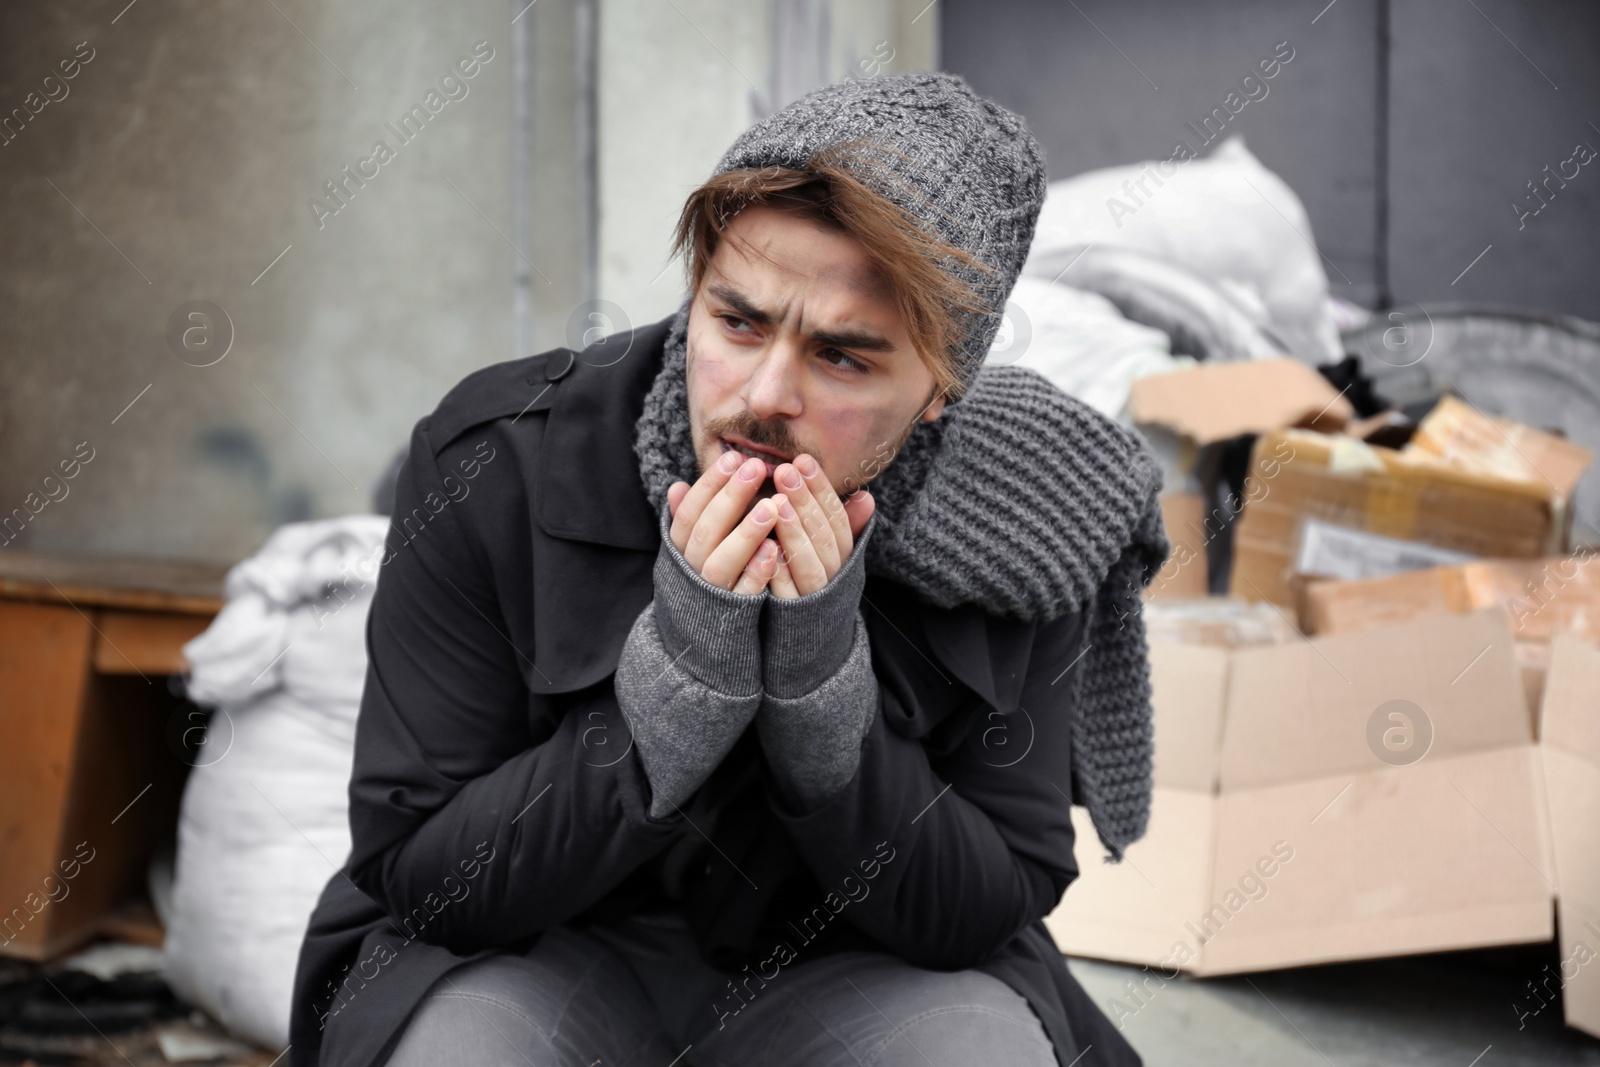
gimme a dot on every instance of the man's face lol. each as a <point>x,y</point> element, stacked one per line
<point>795,344</point>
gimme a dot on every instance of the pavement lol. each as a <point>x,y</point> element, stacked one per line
<point>1454,1009</point>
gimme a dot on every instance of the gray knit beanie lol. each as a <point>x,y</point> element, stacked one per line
<point>964,167</point>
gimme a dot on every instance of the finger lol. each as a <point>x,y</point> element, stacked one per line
<point>675,494</point>
<point>812,518</point>
<point>782,584</point>
<point>798,553</point>
<point>694,501</point>
<point>828,500</point>
<point>859,509</point>
<point>760,569</point>
<point>734,552</point>
<point>722,513</point>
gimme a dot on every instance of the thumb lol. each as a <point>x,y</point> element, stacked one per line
<point>858,509</point>
<point>675,495</point>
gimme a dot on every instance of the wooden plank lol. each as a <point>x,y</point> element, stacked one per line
<point>44,679</point>
<point>113,581</point>
<point>144,642</point>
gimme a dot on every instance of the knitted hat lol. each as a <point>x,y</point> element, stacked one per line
<point>964,167</point>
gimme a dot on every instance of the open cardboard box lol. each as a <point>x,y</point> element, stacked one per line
<point>1215,401</point>
<point>1570,747</point>
<point>1184,574</point>
<point>1279,836</point>
<point>1185,412</point>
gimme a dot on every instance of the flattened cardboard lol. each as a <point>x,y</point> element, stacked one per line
<point>1214,402</point>
<point>1134,911</point>
<point>1446,853</point>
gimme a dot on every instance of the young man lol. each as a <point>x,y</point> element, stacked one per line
<point>731,680</point>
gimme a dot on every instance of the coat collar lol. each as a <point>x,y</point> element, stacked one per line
<point>589,484</point>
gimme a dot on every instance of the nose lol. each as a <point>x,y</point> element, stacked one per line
<point>773,388</point>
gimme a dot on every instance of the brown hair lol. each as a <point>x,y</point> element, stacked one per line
<point>912,260</point>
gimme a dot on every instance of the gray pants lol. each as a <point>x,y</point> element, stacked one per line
<point>637,993</point>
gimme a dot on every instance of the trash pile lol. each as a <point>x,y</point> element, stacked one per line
<point>1375,648</point>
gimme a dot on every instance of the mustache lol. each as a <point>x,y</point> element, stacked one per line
<point>768,434</point>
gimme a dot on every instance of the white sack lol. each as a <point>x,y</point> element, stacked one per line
<point>1080,342</point>
<point>1226,218</point>
<point>264,821</point>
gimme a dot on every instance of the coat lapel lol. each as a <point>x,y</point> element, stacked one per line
<point>595,536</point>
<point>986,653</point>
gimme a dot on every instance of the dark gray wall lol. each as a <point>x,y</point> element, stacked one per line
<point>1466,120</point>
<point>1474,120</point>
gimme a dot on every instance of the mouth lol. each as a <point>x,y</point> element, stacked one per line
<point>766,455</point>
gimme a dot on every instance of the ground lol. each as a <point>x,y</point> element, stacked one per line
<point>1454,1009</point>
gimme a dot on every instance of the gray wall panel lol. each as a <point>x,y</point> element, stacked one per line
<point>1103,83</point>
<point>1482,97</point>
<point>1474,120</point>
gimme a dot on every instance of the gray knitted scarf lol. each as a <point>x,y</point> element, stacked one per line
<point>1026,502</point>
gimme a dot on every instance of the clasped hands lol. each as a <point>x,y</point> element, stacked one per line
<point>728,542</point>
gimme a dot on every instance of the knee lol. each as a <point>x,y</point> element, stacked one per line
<point>976,1021</point>
<point>479,1014</point>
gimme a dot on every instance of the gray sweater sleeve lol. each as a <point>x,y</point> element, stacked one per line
<point>820,693</point>
<point>689,680</point>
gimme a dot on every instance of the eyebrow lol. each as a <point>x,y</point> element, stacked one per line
<point>861,340</point>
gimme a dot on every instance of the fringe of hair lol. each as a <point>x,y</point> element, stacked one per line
<point>923,271</point>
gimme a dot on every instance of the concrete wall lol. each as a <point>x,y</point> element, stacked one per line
<point>179,166</point>
<point>1482,103</point>
<point>680,81</point>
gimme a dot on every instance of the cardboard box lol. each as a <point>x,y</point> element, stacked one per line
<point>1185,412</point>
<point>1185,573</point>
<point>1299,478</point>
<point>1354,796</point>
<point>1540,597</point>
<point>1570,746</point>
<point>1189,417</point>
<point>1215,401</point>
<point>1217,622</point>
<point>1458,434</point>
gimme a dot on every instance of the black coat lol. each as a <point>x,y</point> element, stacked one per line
<point>495,791</point>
